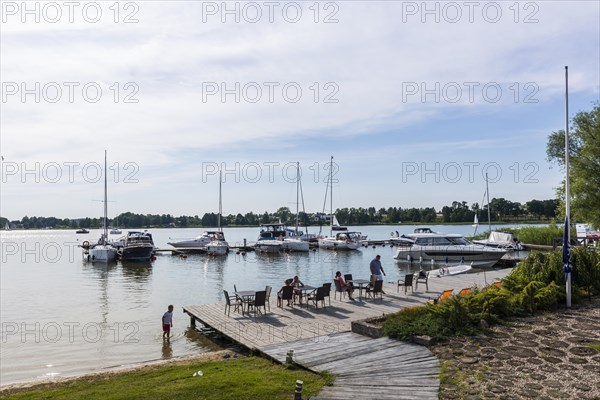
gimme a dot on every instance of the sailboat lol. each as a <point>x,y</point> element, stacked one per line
<point>102,251</point>
<point>500,240</point>
<point>343,240</point>
<point>218,246</point>
<point>292,241</point>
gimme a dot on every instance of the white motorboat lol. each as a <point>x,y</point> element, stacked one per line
<point>102,251</point>
<point>271,238</point>
<point>452,270</point>
<point>115,231</point>
<point>501,240</point>
<point>199,242</point>
<point>447,248</point>
<point>343,239</point>
<point>293,241</point>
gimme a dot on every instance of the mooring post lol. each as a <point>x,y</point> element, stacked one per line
<point>192,322</point>
<point>289,359</point>
<point>244,243</point>
<point>298,391</point>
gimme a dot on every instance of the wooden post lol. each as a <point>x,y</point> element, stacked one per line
<point>244,243</point>
<point>298,391</point>
<point>192,322</point>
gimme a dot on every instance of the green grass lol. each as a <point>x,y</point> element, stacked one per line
<point>595,347</point>
<point>241,378</point>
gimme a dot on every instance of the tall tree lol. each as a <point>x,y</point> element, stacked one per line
<point>584,157</point>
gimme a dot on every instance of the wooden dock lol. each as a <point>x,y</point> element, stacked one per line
<point>321,339</point>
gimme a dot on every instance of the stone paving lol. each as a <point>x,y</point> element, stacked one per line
<point>549,356</point>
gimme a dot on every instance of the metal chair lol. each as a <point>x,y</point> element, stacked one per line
<point>268,290</point>
<point>327,287</point>
<point>286,293</point>
<point>339,289</point>
<point>237,303</point>
<point>347,277</point>
<point>377,288</point>
<point>260,300</point>
<point>423,277</point>
<point>407,283</point>
<point>318,295</point>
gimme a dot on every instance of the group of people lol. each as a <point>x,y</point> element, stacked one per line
<point>377,274</point>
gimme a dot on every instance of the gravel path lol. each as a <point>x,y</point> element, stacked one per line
<point>554,355</point>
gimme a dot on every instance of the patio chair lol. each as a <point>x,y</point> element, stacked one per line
<point>260,300</point>
<point>407,282</point>
<point>317,296</point>
<point>465,291</point>
<point>327,287</point>
<point>423,277</point>
<point>286,293</point>
<point>377,288</point>
<point>348,277</point>
<point>445,294</point>
<point>268,290</point>
<point>339,289</point>
<point>228,303</point>
<point>498,284</point>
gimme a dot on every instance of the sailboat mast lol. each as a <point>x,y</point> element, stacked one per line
<point>220,203</point>
<point>487,191</point>
<point>331,198</point>
<point>105,201</point>
<point>297,194</point>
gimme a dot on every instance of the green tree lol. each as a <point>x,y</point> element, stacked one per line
<point>584,157</point>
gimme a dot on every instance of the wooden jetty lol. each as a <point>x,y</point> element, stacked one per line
<point>321,339</point>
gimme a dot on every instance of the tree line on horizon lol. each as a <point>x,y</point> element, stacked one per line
<point>500,210</point>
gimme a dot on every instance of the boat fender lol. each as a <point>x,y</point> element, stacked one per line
<point>85,244</point>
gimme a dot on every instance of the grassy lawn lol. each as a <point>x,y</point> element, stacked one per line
<point>240,378</point>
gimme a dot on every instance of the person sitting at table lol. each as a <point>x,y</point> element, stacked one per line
<point>344,285</point>
<point>288,282</point>
<point>296,283</point>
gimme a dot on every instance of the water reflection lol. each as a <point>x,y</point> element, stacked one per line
<point>136,272</point>
<point>167,349</point>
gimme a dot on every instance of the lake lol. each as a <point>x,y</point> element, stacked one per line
<point>61,316</point>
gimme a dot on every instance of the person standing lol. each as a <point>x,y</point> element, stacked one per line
<point>376,268</point>
<point>167,322</point>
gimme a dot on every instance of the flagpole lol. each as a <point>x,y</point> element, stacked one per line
<point>567,183</point>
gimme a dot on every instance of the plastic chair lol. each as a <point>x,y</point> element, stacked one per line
<point>445,294</point>
<point>465,291</point>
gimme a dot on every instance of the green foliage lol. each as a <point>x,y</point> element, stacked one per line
<point>584,156</point>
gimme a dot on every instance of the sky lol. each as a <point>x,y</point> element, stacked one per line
<point>415,101</point>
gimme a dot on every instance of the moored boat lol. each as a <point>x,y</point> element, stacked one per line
<point>447,248</point>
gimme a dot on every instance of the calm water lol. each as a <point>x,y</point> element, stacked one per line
<point>62,316</point>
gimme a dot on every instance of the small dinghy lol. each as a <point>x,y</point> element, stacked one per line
<point>453,270</point>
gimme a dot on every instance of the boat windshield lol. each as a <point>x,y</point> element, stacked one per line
<point>459,241</point>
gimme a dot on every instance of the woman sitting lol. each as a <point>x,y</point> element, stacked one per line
<point>346,286</point>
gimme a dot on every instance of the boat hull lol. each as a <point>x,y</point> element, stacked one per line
<point>217,248</point>
<point>295,245</point>
<point>333,244</point>
<point>102,253</point>
<point>478,256</point>
<point>137,252</point>
<point>268,246</point>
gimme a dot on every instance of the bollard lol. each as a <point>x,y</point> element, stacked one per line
<point>298,391</point>
<point>289,359</point>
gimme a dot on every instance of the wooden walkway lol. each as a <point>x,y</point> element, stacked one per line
<point>366,368</point>
<point>321,339</point>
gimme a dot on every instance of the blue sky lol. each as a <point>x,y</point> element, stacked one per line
<point>395,96</point>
